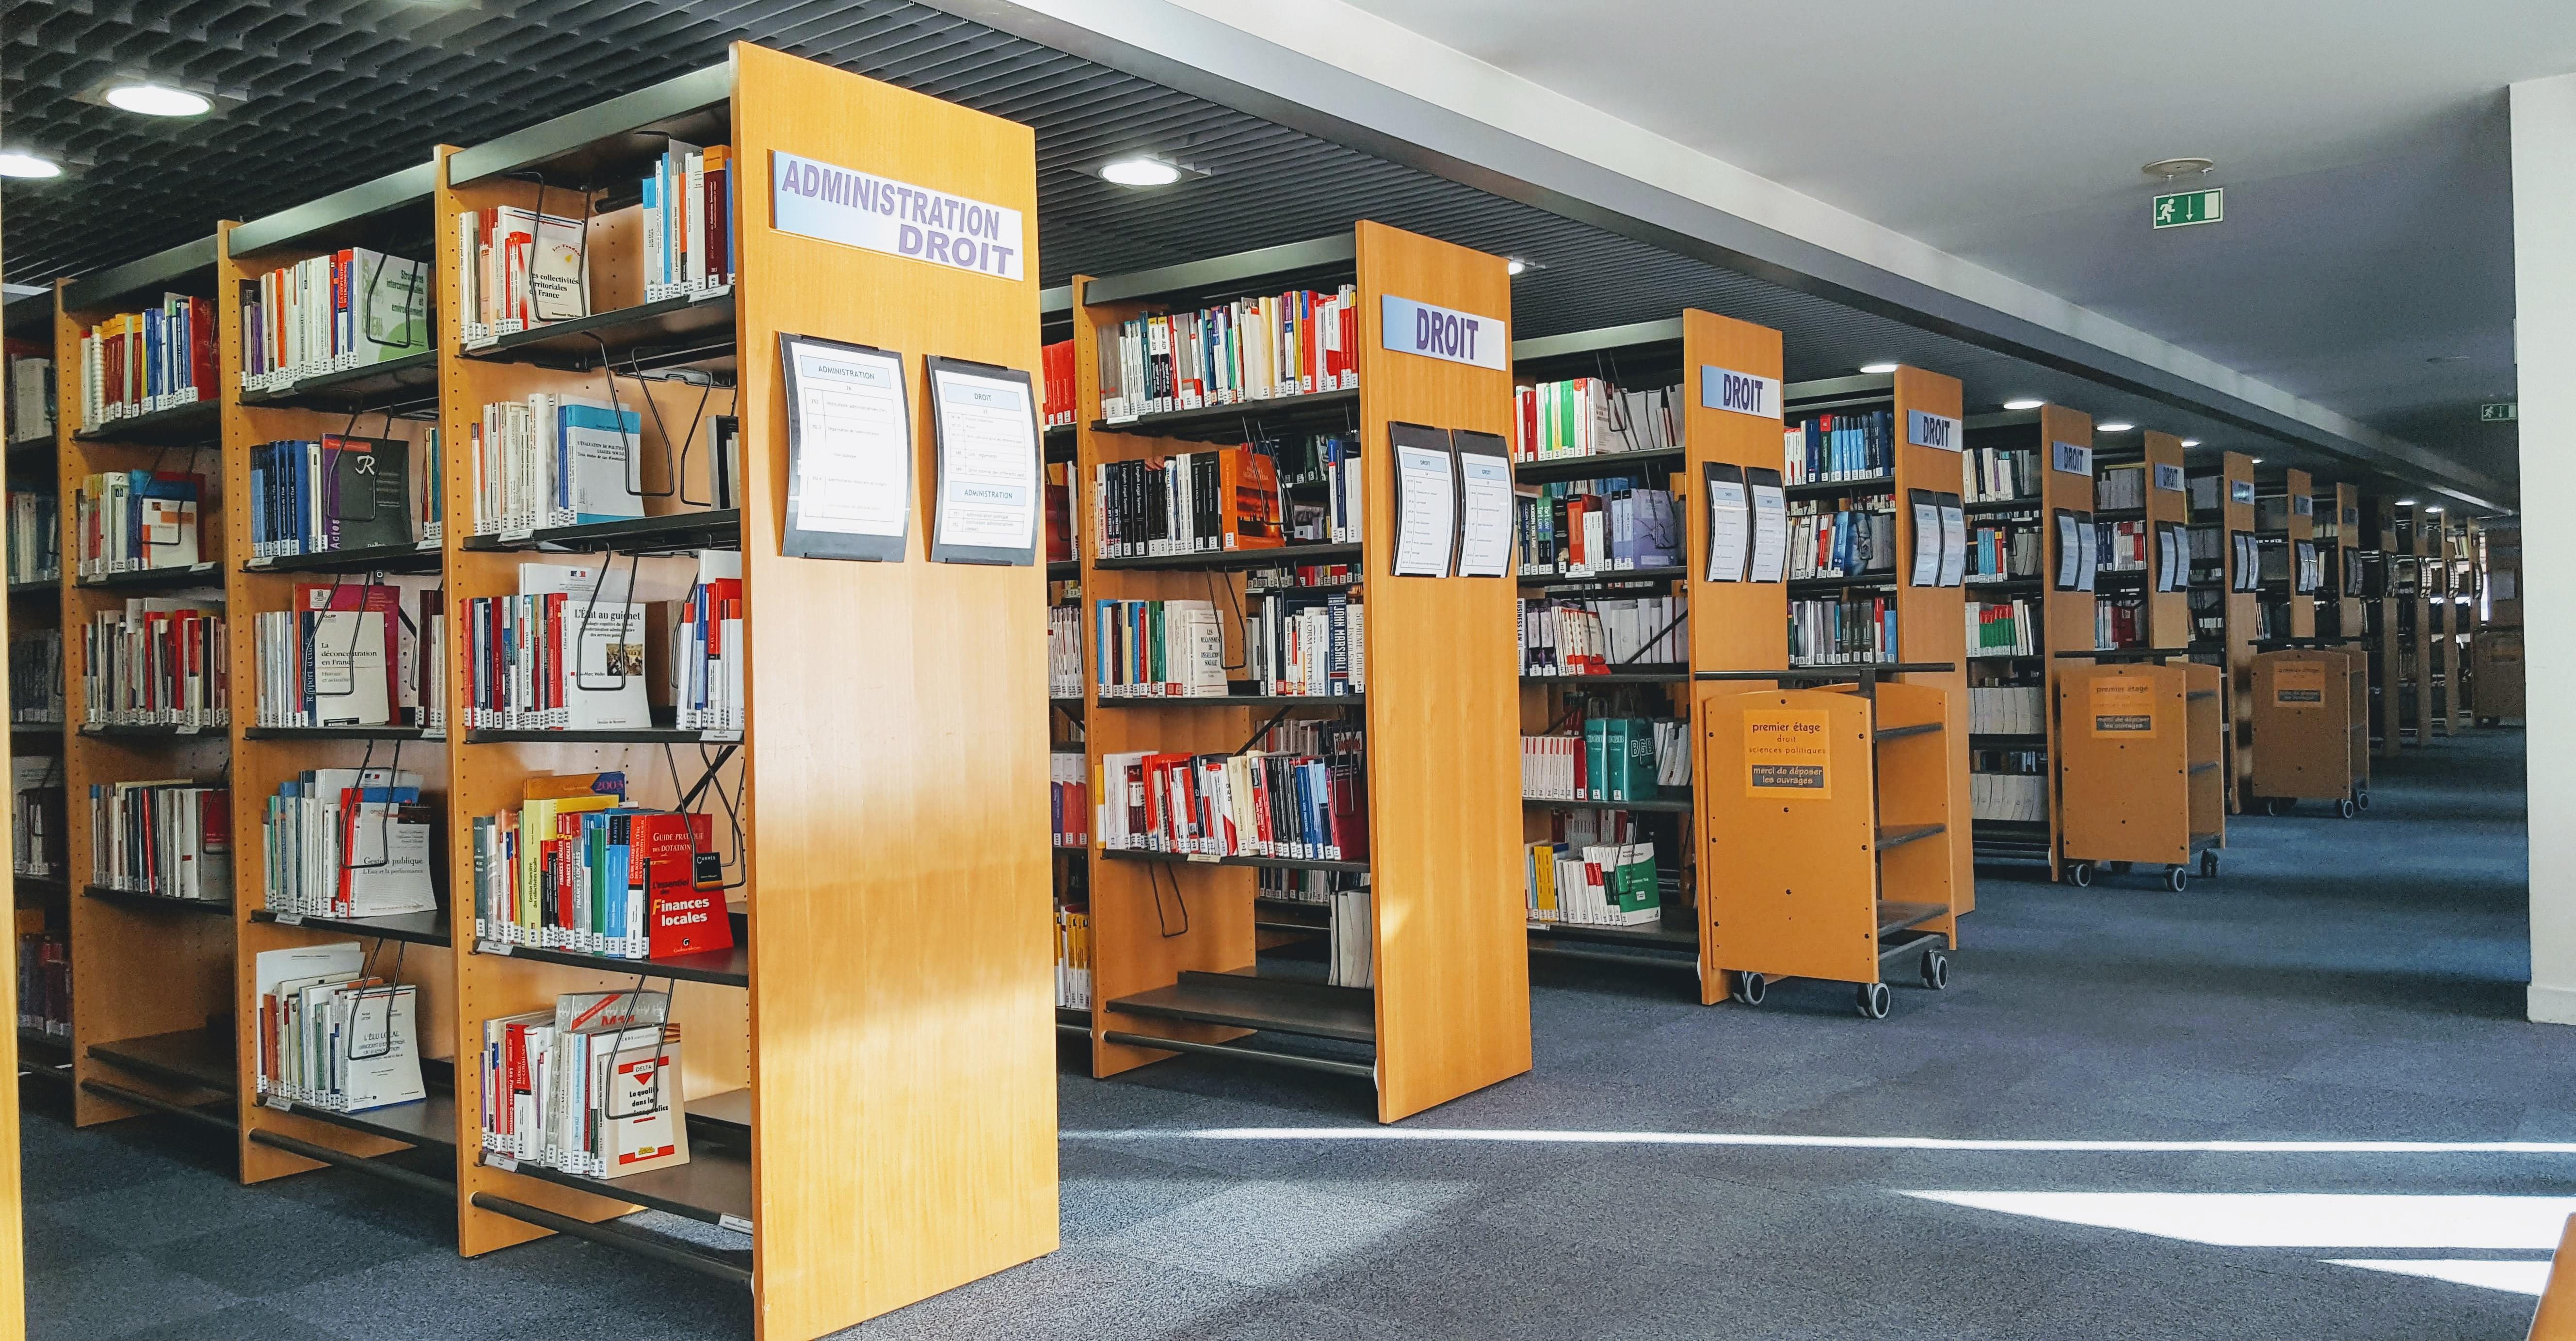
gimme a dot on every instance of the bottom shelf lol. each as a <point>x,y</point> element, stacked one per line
<point>190,1058</point>
<point>1243,1000</point>
<point>1657,935</point>
<point>1894,917</point>
<point>714,1187</point>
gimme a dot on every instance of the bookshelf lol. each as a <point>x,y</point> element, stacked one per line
<point>2060,441</point>
<point>1070,870</point>
<point>2142,786</point>
<point>2154,475</point>
<point>34,607</point>
<point>2420,621</point>
<point>2224,603</point>
<point>2382,565</point>
<point>151,979</point>
<point>2459,618</point>
<point>865,1050</point>
<point>2495,651</point>
<point>2339,535</point>
<point>1176,963</point>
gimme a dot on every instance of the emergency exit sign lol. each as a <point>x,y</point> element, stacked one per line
<point>2184,208</point>
<point>2499,412</point>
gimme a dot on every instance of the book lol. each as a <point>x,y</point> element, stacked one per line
<point>36,678</point>
<point>1299,794</point>
<point>595,469</point>
<point>1249,349</point>
<point>1588,416</point>
<point>1158,649</point>
<point>602,1100</point>
<point>1206,502</point>
<point>171,837</point>
<point>1600,635</point>
<point>138,363</point>
<point>156,661</point>
<point>35,537</point>
<point>567,653</point>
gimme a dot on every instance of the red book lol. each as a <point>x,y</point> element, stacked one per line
<point>681,917</point>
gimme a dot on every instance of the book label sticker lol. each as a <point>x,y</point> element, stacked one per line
<point>2169,478</point>
<point>1739,392</point>
<point>728,1220</point>
<point>2071,459</point>
<point>2299,684</point>
<point>1408,327</point>
<point>860,209</point>
<point>1937,431</point>
<point>1787,754</point>
<point>2124,706</point>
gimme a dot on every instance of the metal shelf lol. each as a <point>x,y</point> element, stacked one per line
<point>1237,560</point>
<point>194,422</point>
<point>428,928</point>
<point>409,382</point>
<point>714,528</point>
<point>1272,863</point>
<point>663,334</point>
<point>730,968</point>
<point>423,557</point>
<point>1599,463</point>
<point>147,579</point>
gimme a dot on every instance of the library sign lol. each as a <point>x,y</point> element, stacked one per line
<point>861,209</point>
<point>1408,327</point>
<point>1787,755</point>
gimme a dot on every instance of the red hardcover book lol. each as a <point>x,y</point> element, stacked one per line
<point>680,916</point>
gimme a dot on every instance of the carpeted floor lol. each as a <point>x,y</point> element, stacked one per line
<point>2356,981</point>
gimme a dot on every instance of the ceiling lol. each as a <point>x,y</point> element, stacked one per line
<point>327,93</point>
<point>2364,148</point>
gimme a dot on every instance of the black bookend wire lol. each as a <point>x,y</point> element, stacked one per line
<point>1153,881</point>
<point>349,654</point>
<point>688,795</point>
<point>391,989</point>
<point>661,1033</point>
<point>385,820</point>
<point>621,653</point>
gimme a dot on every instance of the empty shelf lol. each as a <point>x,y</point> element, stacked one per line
<point>1896,917</point>
<point>199,1057</point>
<point>1891,839</point>
<point>1244,1001</point>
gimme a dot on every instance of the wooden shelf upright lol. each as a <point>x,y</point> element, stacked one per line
<point>35,606</point>
<point>151,979</point>
<point>2285,521</point>
<point>2063,441</point>
<point>1174,966</point>
<point>871,1050</point>
<point>2222,511</point>
<point>2419,620</point>
<point>2495,652</point>
<point>2339,534</point>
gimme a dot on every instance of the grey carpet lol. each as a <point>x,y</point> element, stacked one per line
<point>2343,980</point>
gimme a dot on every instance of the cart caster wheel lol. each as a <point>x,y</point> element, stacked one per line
<point>2177,878</point>
<point>1871,1000</point>
<point>1936,970</point>
<point>2080,875</point>
<point>1750,988</point>
<point>2347,808</point>
<point>2276,806</point>
<point>2365,800</point>
<point>2209,864</point>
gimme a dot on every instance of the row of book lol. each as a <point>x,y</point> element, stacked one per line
<point>708,651</point>
<point>518,269</point>
<point>1301,577</point>
<point>688,222</point>
<point>577,868</point>
<point>1830,447</point>
<point>1250,349</point>
<point>1352,942</point>
<point>35,537</point>
<point>1064,651</point>
<point>551,460</point>
<point>333,1034</point>
<point>572,650</point>
<point>2119,622</point>
<point>2006,549</point>
<point>2003,628</point>
<point>36,678</point>
<point>157,661</point>
<point>2007,710</point>
<point>1158,649</point>
<point>171,837</point>
<point>1307,643</point>
<point>1846,631</point>
<point>337,312</point>
<point>1062,397</point>
<point>1998,474</point>
<point>1059,511</point>
<point>337,492</point>
<point>1578,528</point>
<point>1221,499</point>
<point>1611,759</point>
<point>1598,885</point>
<point>44,977</point>
<point>1599,635</point>
<point>1852,537</point>
<point>354,654</point>
<point>591,1087</point>
<point>1299,794</point>
<point>1069,798</point>
<point>36,832</point>
<point>136,363</point>
<point>1587,416</point>
<point>2119,488</point>
<point>31,394</point>
<point>125,520</point>
<point>348,842</point>
<point>2012,797</point>
<point>2122,547</point>
<point>1072,958</point>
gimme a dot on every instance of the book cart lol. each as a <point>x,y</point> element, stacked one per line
<point>151,976</point>
<point>1829,836</point>
<point>2048,612</point>
<point>41,893</point>
<point>2141,782</point>
<point>2312,713</point>
<point>2225,610</point>
<point>1176,965</point>
<point>872,1050</point>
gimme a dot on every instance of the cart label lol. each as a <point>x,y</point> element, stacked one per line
<point>2299,684</point>
<point>1788,755</point>
<point>2124,706</point>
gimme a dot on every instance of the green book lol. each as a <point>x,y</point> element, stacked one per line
<point>1596,761</point>
<point>1614,753</point>
<point>1641,760</point>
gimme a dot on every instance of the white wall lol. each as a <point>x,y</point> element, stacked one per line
<point>2544,281</point>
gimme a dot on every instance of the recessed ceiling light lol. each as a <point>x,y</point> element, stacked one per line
<point>2024,403</point>
<point>2435,508</point>
<point>1875,368</point>
<point>2255,459</point>
<point>19,163</point>
<point>2448,358</point>
<point>2191,442</point>
<point>2115,426</point>
<point>2405,502</point>
<point>2175,167</point>
<point>1514,265</point>
<point>158,100</point>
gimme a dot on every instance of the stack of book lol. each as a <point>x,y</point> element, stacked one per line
<point>1251,349</point>
<point>1064,651</point>
<point>333,313</point>
<point>1831,447</point>
<point>1256,804</point>
<point>688,222</point>
<point>36,678</point>
<point>1307,643</point>
<point>1590,417</point>
<point>2009,795</point>
<point>1353,952</point>
<point>1850,537</point>
<point>137,363</point>
<point>576,868</point>
<point>2003,550</point>
<point>1158,649</point>
<point>1599,885</point>
<point>158,661</point>
<point>591,1087</point>
<point>126,520</point>
<point>2122,547</point>
<point>1579,528</point>
<point>348,842</point>
<point>31,395</point>
<point>2208,493</point>
<point>2003,628</point>
<point>354,654</point>
<point>35,537</point>
<point>2119,622</point>
<point>707,664</point>
<point>1612,759</point>
<point>518,270</point>
<point>2007,710</point>
<point>554,460</point>
<point>1227,498</point>
<point>171,837</point>
<point>1850,630</point>
<point>2120,487</point>
<point>316,496</point>
<point>565,654</point>
<point>1599,635</point>
<point>1999,474</point>
<point>332,1035</point>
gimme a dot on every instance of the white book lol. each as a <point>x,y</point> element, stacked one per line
<point>379,1057</point>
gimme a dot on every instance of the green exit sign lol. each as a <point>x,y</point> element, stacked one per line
<point>2185,208</point>
<point>2499,412</point>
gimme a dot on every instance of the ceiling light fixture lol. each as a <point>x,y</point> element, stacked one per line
<point>2405,502</point>
<point>1514,266</point>
<point>1875,369</point>
<point>2434,508</point>
<point>2024,403</point>
<point>2175,167</point>
<point>20,163</point>
<point>2114,426</point>
<point>2255,459</point>
<point>2191,442</point>
<point>1139,171</point>
<point>158,100</point>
